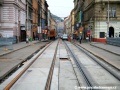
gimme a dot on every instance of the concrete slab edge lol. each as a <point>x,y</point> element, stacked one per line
<point>16,49</point>
<point>20,63</point>
<point>100,57</point>
<point>105,49</point>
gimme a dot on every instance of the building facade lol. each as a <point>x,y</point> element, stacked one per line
<point>53,25</point>
<point>69,25</point>
<point>35,19</point>
<point>44,10</point>
<point>100,18</point>
<point>49,19</point>
<point>65,25</point>
<point>12,18</point>
<point>39,19</point>
<point>22,19</point>
<point>60,28</point>
<point>72,22</point>
<point>29,18</point>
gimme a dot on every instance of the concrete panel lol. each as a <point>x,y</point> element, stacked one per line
<point>67,78</point>
<point>63,52</point>
<point>33,79</point>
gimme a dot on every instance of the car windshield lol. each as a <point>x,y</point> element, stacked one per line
<point>64,35</point>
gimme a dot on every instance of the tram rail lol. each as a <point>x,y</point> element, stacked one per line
<point>97,61</point>
<point>86,73</point>
<point>17,62</point>
<point>49,78</point>
<point>47,87</point>
<point>88,82</point>
<point>104,58</point>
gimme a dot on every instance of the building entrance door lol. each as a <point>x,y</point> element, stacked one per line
<point>111,32</point>
<point>23,35</point>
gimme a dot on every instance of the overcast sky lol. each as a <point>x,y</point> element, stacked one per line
<point>61,8</point>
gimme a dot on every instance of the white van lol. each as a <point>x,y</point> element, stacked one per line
<point>65,37</point>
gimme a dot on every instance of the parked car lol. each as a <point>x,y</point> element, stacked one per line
<point>65,37</point>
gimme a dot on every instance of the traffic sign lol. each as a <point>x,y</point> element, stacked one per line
<point>88,32</point>
<point>81,29</point>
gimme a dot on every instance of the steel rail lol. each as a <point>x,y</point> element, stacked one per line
<point>22,72</point>
<point>49,79</point>
<point>101,57</point>
<point>88,82</point>
<point>98,62</point>
<point>2,78</point>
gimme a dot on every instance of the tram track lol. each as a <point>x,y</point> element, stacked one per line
<point>105,50</point>
<point>19,61</point>
<point>103,57</point>
<point>97,61</point>
<point>86,75</point>
<point>79,65</point>
<point>18,49</point>
<point>49,78</point>
<point>21,73</point>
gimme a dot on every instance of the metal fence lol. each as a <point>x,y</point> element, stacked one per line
<point>113,41</point>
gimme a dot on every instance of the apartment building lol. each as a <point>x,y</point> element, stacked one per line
<point>22,18</point>
<point>60,27</point>
<point>72,22</point>
<point>12,18</point>
<point>67,25</point>
<point>53,24</point>
<point>44,13</point>
<point>49,19</point>
<point>100,18</point>
<point>35,19</point>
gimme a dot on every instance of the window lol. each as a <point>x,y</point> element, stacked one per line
<point>102,34</point>
<point>112,12</point>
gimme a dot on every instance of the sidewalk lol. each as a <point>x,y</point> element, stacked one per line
<point>7,49</point>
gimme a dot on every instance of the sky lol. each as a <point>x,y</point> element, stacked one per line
<point>61,8</point>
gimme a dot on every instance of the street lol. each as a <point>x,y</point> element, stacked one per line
<point>61,65</point>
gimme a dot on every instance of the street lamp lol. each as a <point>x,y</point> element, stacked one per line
<point>108,21</point>
<point>27,38</point>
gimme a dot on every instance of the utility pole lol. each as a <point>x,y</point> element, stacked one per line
<point>19,32</point>
<point>27,38</point>
<point>108,20</point>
